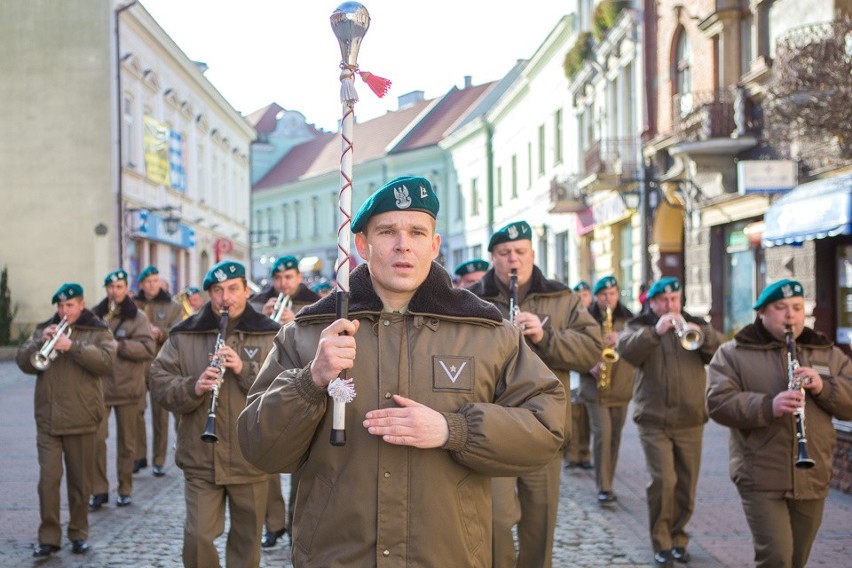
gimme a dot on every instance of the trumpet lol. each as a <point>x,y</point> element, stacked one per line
<point>690,339</point>
<point>514,309</point>
<point>42,358</point>
<point>209,434</point>
<point>183,300</point>
<point>112,311</point>
<point>282,304</point>
<point>609,356</point>
<point>795,383</point>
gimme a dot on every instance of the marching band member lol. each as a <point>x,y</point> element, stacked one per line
<point>183,376</point>
<point>470,272</point>
<point>69,407</point>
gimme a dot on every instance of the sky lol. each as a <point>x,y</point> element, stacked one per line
<point>264,51</point>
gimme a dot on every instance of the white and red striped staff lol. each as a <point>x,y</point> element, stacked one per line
<point>349,22</point>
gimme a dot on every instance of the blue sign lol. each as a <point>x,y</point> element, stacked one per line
<point>148,225</point>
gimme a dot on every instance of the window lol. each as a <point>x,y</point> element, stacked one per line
<point>529,165</point>
<point>285,214</point>
<point>129,141</point>
<point>541,150</point>
<point>297,219</point>
<point>557,137</point>
<point>459,202</point>
<point>746,45</point>
<point>474,197</point>
<point>315,215</point>
<point>499,196</point>
<point>683,71</point>
<point>514,177</point>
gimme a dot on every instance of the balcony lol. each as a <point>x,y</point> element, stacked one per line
<point>610,163</point>
<point>566,196</point>
<point>703,115</point>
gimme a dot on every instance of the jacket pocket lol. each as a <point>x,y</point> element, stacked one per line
<point>308,514</point>
<point>471,501</point>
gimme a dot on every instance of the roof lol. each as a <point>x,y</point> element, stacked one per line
<point>264,119</point>
<point>440,120</point>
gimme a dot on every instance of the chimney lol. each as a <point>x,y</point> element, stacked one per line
<point>409,99</point>
<point>468,81</point>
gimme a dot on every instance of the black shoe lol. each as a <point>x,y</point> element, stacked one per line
<point>159,471</point>
<point>663,558</point>
<point>586,465</point>
<point>606,497</point>
<point>270,538</point>
<point>680,554</point>
<point>571,465</point>
<point>79,546</point>
<point>139,464</point>
<point>44,550</point>
<point>98,500</point>
<point>123,500</point>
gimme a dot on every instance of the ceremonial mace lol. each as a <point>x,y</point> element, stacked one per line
<point>349,22</point>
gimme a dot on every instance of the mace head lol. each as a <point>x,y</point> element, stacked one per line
<point>350,22</point>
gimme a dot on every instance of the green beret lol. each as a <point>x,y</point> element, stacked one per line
<point>225,270</point>
<point>321,286</point>
<point>284,263</point>
<point>604,283</point>
<point>778,291</point>
<point>475,265</point>
<point>407,193</point>
<point>581,285</point>
<point>66,292</point>
<point>663,285</point>
<point>148,271</point>
<point>190,290</point>
<point>511,232</point>
<point>115,276</point>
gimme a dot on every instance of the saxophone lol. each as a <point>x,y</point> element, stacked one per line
<point>609,356</point>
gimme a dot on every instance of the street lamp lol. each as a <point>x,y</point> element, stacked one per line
<point>171,218</point>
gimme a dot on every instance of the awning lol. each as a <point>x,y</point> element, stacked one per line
<point>814,210</point>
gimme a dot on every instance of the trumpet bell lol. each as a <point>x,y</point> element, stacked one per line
<point>691,339</point>
<point>40,361</point>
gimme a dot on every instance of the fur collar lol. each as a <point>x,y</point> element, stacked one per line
<point>127,309</point>
<point>435,297</point>
<point>649,318</point>
<point>756,336</point>
<point>162,296</point>
<point>620,312</point>
<point>206,321</point>
<point>488,288</point>
<point>304,295</point>
<point>87,319</point>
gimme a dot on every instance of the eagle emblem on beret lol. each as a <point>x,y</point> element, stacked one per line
<point>403,200</point>
<point>63,297</point>
<point>786,290</point>
<point>220,275</point>
<point>513,232</point>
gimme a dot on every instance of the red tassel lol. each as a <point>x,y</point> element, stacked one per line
<point>378,85</point>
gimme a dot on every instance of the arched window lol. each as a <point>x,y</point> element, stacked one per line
<point>682,72</point>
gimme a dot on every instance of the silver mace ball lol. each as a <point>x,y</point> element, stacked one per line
<point>350,22</point>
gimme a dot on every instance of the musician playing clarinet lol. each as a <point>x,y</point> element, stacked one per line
<point>447,395</point>
<point>782,482</point>
<point>183,377</point>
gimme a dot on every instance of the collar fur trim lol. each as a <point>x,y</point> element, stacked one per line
<point>127,308</point>
<point>206,321</point>
<point>488,288</point>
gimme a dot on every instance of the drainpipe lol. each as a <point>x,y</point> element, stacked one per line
<point>119,118</point>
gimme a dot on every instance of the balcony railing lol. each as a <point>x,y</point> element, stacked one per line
<point>615,156</point>
<point>703,115</point>
<point>566,196</point>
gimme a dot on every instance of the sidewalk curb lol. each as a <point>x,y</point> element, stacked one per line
<point>7,353</point>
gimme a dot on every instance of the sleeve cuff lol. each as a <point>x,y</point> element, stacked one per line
<point>457,425</point>
<point>308,389</point>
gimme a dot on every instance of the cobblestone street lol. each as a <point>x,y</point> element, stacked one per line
<point>149,533</point>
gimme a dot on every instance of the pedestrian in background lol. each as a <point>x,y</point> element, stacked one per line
<point>124,387</point>
<point>749,392</point>
<point>183,379</point>
<point>608,387</point>
<point>577,450</point>
<point>561,332</point>
<point>163,313</point>
<point>69,407</point>
<point>448,395</point>
<point>669,410</point>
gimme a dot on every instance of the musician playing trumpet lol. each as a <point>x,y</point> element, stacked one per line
<point>183,377</point>
<point>69,406</point>
<point>286,280</point>
<point>669,411</point>
<point>749,392</point>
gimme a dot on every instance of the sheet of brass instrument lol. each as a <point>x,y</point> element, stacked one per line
<point>42,358</point>
<point>609,356</point>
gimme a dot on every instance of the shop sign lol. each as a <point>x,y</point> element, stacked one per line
<point>609,210</point>
<point>766,176</point>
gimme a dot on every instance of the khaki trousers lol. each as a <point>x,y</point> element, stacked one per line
<point>783,530</point>
<point>577,448</point>
<point>125,442</point>
<point>673,461</point>
<point>79,457</point>
<point>606,424</point>
<point>205,522</point>
<point>276,509</point>
<point>538,497</point>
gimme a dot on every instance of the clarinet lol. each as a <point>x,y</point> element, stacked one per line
<point>795,383</point>
<point>514,309</point>
<point>209,435</point>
